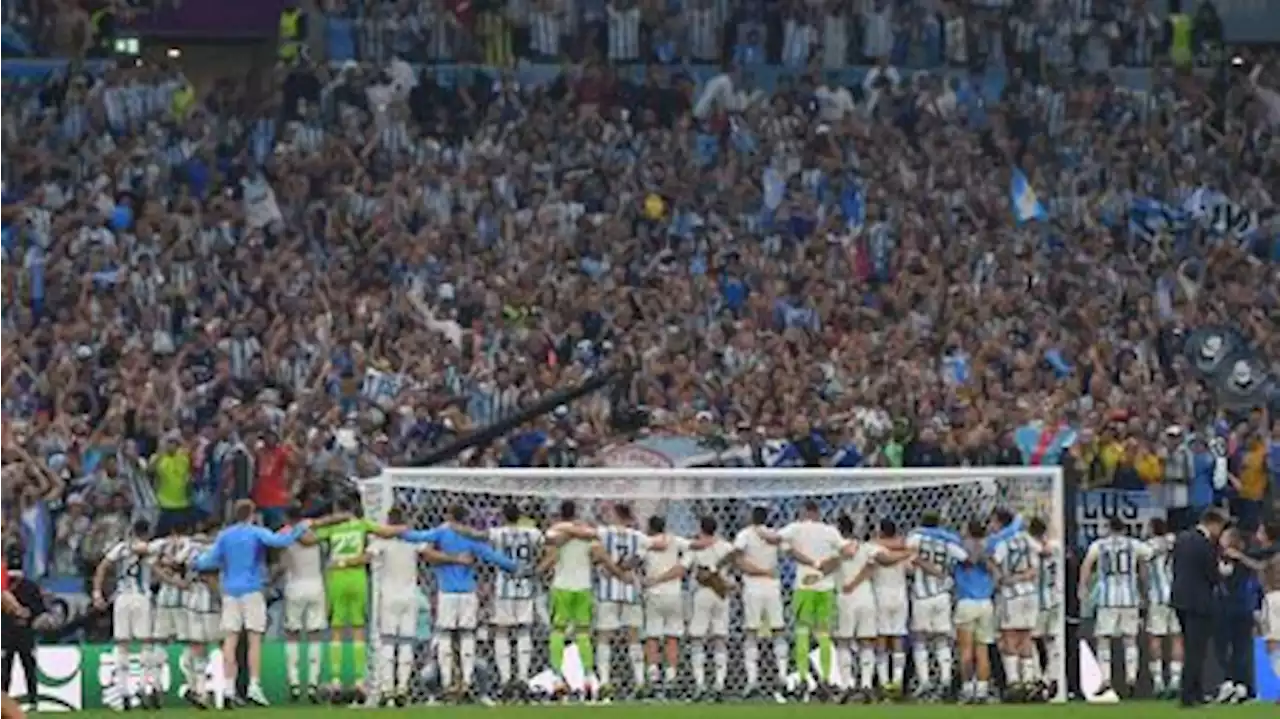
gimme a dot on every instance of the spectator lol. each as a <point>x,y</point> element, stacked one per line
<point>171,467</point>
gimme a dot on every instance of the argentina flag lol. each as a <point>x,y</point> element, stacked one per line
<point>1026,206</point>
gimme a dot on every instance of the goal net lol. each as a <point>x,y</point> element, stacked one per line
<point>682,497</point>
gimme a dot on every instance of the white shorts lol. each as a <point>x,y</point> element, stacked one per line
<point>398,617</point>
<point>855,619</point>
<point>664,615</point>
<point>131,618</point>
<point>762,608</point>
<point>932,616</point>
<point>204,628</point>
<point>612,616</point>
<point>512,612</point>
<point>305,613</point>
<point>977,617</point>
<point>170,623</point>
<point>1048,622</point>
<point>248,613</point>
<point>1116,622</point>
<point>891,618</point>
<point>709,616</point>
<point>456,611</point>
<point>1019,614</point>
<point>1271,616</point>
<point>1162,621</point>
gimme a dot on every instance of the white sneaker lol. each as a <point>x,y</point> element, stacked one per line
<point>255,696</point>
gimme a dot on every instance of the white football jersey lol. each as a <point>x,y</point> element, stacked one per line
<point>395,567</point>
<point>303,570</point>
<point>1160,569</point>
<point>658,562</point>
<point>761,553</point>
<point>172,552</point>
<point>889,581</point>
<point>1051,562</point>
<point>573,564</point>
<point>133,569</point>
<point>817,541</point>
<point>1015,555</point>
<point>711,557</point>
<point>1115,560</point>
<point>940,553</point>
<point>623,545</point>
<point>522,545</point>
<point>863,554</point>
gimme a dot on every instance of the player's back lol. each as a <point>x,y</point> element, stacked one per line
<point>941,554</point>
<point>303,569</point>
<point>624,546</point>
<point>132,569</point>
<point>888,581</point>
<point>1117,558</point>
<point>1018,555</point>
<point>573,565</point>
<point>395,566</point>
<point>521,545</point>
<point>1051,565</point>
<point>759,552</point>
<point>1160,569</point>
<point>852,566</point>
<point>659,561</point>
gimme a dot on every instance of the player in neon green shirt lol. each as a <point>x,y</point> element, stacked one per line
<point>347,590</point>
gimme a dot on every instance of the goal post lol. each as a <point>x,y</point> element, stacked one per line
<point>682,497</point>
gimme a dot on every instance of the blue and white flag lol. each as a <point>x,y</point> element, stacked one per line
<point>1026,206</point>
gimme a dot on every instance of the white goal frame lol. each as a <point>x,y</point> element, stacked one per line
<point>640,484</point>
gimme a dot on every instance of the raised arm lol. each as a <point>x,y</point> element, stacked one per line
<point>211,559</point>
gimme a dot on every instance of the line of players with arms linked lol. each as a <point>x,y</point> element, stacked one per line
<point>1128,581</point>
<point>862,602</point>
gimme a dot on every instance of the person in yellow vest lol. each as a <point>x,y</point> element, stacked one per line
<point>495,37</point>
<point>1180,40</point>
<point>293,33</point>
<point>1254,476</point>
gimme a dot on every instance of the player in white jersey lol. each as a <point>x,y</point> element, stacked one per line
<point>204,617</point>
<point>572,551</point>
<point>889,584</point>
<point>758,550</point>
<point>1162,621</point>
<point>132,560</point>
<point>706,561</point>
<point>663,603</point>
<point>173,621</point>
<point>619,613</point>
<point>816,546</point>
<point>395,574</point>
<point>1049,622</point>
<point>932,628</point>
<point>513,604</point>
<point>1117,561</point>
<point>857,630</point>
<point>305,613</point>
<point>1016,556</point>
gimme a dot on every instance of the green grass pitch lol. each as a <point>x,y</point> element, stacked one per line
<point>1132,710</point>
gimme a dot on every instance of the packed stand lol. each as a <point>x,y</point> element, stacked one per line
<point>210,296</point>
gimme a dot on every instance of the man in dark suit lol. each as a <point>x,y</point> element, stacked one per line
<point>19,630</point>
<point>1195,574</point>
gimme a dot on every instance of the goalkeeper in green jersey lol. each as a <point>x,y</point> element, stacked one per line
<point>572,550</point>
<point>347,590</point>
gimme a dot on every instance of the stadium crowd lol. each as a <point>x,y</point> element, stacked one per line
<point>263,288</point>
